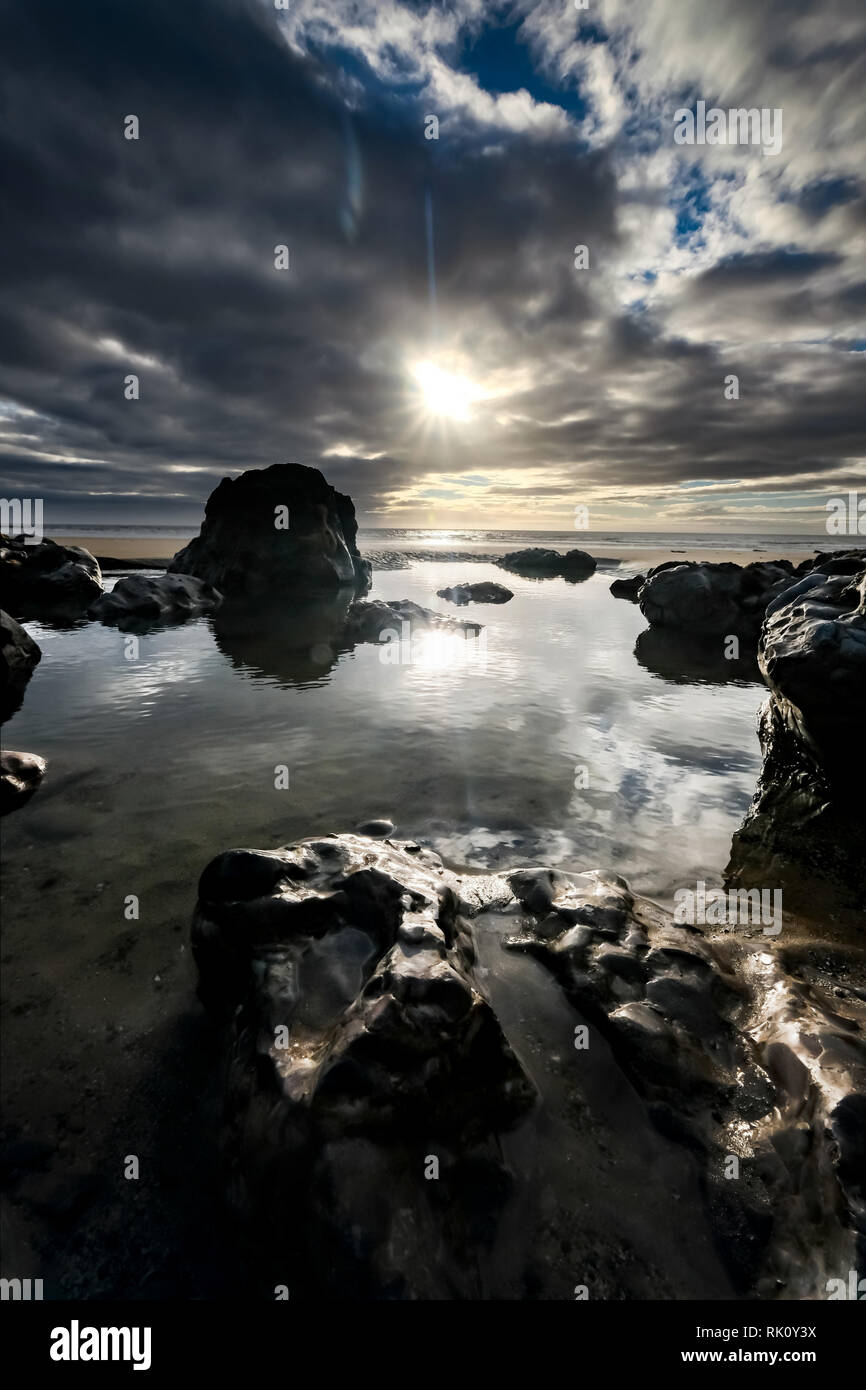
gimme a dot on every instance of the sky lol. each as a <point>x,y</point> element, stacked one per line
<point>428,338</point>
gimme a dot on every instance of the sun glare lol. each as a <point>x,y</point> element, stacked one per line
<point>445,393</point>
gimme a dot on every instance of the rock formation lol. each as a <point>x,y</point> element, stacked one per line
<point>169,598</point>
<point>536,563</point>
<point>45,579</point>
<point>809,806</point>
<point>275,533</point>
<point>19,655</point>
<point>485,592</point>
<point>20,775</point>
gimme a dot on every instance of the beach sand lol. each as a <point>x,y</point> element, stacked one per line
<point>158,550</point>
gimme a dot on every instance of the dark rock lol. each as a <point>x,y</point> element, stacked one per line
<point>486,592</point>
<point>243,554</point>
<point>809,805</point>
<point>834,562</point>
<point>358,949</point>
<point>169,598</point>
<point>367,620</point>
<point>20,775</point>
<point>46,578</point>
<point>19,655</point>
<point>705,597</point>
<point>547,564</point>
<point>628,588</point>
<point>376,829</point>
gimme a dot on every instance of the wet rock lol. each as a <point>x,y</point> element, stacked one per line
<point>46,578</point>
<point>809,807</point>
<point>359,1048</point>
<point>368,620</point>
<point>547,564</point>
<point>19,656</point>
<point>376,829</point>
<point>169,598</point>
<point>486,592</point>
<point>273,532</point>
<point>704,597</point>
<point>628,588</point>
<point>20,775</point>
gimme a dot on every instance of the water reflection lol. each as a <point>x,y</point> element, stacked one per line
<point>687,660</point>
<point>292,644</point>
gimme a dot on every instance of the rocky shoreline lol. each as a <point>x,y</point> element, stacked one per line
<point>385,1119</point>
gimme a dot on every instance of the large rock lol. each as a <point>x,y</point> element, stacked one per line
<point>360,1048</point>
<point>809,806</point>
<point>168,598</point>
<point>628,588</point>
<point>705,597</point>
<point>46,579</point>
<point>485,592</point>
<point>19,655</point>
<point>536,563</point>
<point>244,553</point>
<point>20,775</point>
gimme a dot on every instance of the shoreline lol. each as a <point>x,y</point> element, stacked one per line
<point>117,551</point>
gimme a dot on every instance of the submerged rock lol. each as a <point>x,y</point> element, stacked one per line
<point>485,592</point>
<point>376,620</point>
<point>20,775</point>
<point>628,588</point>
<point>19,655</point>
<point>275,532</point>
<point>698,596</point>
<point>809,805</point>
<point>547,564</point>
<point>47,578</point>
<point>361,1057</point>
<point>169,598</point>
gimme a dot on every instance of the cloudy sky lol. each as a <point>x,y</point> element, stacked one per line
<point>432,346</point>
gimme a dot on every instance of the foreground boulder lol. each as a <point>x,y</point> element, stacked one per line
<point>704,597</point>
<point>20,775</point>
<point>486,592</point>
<point>361,1054</point>
<point>169,598</point>
<point>536,563</point>
<point>47,579</point>
<point>274,532</point>
<point>19,655</point>
<point>809,805</point>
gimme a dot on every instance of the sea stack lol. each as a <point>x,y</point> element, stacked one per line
<point>274,532</point>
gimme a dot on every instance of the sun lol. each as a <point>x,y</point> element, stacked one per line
<point>445,393</point>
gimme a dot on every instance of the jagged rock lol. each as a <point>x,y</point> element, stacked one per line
<point>359,1046</point>
<point>20,775</point>
<point>46,578</point>
<point>735,1056</point>
<point>243,553</point>
<point>628,588</point>
<point>19,655</point>
<point>834,562</point>
<point>705,597</point>
<point>485,592</point>
<point>809,804</point>
<point>169,598</point>
<point>547,564</point>
<point>368,620</point>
